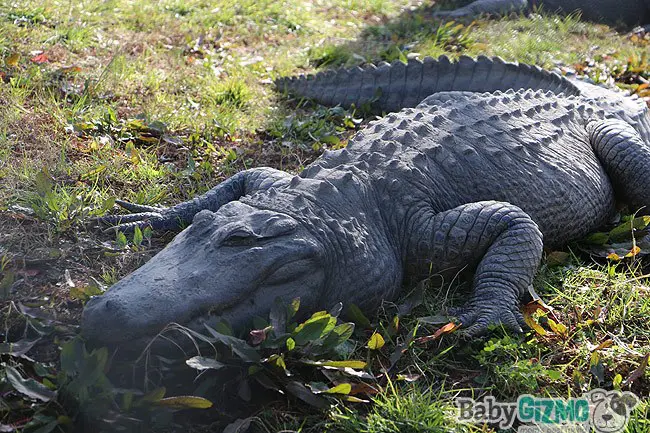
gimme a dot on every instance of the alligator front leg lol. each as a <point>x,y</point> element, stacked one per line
<point>496,7</point>
<point>176,217</point>
<point>504,244</point>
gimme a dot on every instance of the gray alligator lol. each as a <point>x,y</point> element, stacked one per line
<point>628,12</point>
<point>493,158</point>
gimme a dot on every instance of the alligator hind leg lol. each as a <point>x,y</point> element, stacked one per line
<point>497,7</point>
<point>626,159</point>
<point>504,244</point>
<point>176,217</point>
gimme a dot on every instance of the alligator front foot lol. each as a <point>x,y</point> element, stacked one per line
<point>157,218</point>
<point>477,316</point>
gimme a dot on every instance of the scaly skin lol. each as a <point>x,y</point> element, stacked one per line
<point>627,12</point>
<point>464,179</point>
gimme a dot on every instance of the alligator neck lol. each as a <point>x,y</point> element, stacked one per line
<point>341,212</point>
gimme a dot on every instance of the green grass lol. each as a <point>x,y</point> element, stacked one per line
<point>155,102</point>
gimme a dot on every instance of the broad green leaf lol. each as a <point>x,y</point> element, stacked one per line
<point>127,401</point>
<point>223,327</point>
<point>238,426</point>
<point>596,367</point>
<point>624,231</point>
<point>137,236</point>
<point>291,344</point>
<point>376,341</point>
<point>28,386</point>
<point>293,308</point>
<point>412,300</point>
<point>239,347</point>
<point>93,173</point>
<point>155,395</point>
<point>339,364</point>
<point>202,363</point>
<point>339,335</point>
<point>353,399</point>
<point>303,393</point>
<point>343,388</point>
<point>72,356</point>
<point>18,348</point>
<point>312,329</point>
<point>356,315</point>
<point>185,402</point>
<point>107,205</point>
<point>277,360</point>
<point>158,127</point>
<point>598,238</point>
<point>83,293</point>
<point>121,239</point>
<point>47,428</point>
<point>557,327</point>
<point>554,374</point>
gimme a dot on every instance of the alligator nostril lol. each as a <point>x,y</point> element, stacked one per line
<point>111,305</point>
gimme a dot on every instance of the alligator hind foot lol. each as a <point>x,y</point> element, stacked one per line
<point>504,244</point>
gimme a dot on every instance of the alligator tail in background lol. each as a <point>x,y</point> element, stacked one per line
<point>391,87</point>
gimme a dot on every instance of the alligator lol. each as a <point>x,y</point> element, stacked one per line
<point>627,12</point>
<point>479,164</point>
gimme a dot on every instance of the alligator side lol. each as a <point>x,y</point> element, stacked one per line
<point>491,161</point>
<point>627,12</point>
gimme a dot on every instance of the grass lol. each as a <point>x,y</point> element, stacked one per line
<point>155,102</point>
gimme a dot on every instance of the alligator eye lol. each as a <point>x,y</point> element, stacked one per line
<point>240,238</point>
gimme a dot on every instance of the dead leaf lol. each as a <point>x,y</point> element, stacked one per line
<point>557,258</point>
<point>447,329</point>
<point>257,336</point>
<point>604,345</point>
<point>40,59</point>
<point>557,327</point>
<point>613,256</point>
<point>12,60</point>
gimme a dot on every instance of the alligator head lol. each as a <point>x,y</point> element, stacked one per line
<point>229,264</point>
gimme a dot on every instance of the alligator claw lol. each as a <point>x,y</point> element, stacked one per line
<point>476,319</point>
<point>133,207</point>
<point>134,217</point>
<point>449,14</point>
<point>127,223</point>
<point>128,227</point>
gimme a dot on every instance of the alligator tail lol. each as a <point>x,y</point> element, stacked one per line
<point>391,87</point>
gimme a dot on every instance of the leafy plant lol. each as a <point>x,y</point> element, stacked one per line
<point>279,348</point>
